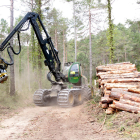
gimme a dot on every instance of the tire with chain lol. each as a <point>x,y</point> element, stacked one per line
<point>41,97</point>
<point>86,91</point>
<point>78,98</point>
<point>70,97</point>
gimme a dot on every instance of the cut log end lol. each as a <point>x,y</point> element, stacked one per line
<point>120,85</point>
<point>104,106</point>
<point>110,111</point>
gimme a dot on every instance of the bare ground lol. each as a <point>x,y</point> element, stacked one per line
<point>54,123</point>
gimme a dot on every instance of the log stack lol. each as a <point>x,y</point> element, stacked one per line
<point>119,84</point>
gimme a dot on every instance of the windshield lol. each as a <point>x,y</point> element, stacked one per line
<point>74,71</point>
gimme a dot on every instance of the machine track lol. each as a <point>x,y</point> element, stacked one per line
<point>65,98</point>
<point>69,97</point>
<point>87,94</point>
<point>41,97</point>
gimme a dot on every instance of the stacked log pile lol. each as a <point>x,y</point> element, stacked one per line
<point>120,86</point>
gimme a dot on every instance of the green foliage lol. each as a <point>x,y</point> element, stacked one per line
<point>3,26</point>
<point>138,67</point>
<point>125,43</point>
<point>18,20</point>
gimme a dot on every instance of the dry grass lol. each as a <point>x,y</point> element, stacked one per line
<point>19,100</point>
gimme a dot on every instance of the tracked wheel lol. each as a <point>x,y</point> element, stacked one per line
<point>87,93</point>
<point>41,97</point>
<point>66,98</point>
<point>70,99</point>
<point>78,98</point>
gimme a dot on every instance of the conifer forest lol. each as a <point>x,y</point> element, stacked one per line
<point>102,40</point>
<point>81,38</point>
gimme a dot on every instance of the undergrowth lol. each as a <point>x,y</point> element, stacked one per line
<point>19,100</point>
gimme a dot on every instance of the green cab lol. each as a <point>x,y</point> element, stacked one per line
<point>74,74</point>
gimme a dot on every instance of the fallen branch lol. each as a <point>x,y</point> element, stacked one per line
<point>100,129</point>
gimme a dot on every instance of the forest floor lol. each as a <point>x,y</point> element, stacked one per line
<point>84,122</point>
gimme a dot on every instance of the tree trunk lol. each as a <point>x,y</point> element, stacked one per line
<point>110,38</point>
<point>119,92</point>
<point>105,105</point>
<point>12,75</point>
<point>134,90</point>
<point>109,69</point>
<point>66,54</point>
<point>39,4</point>
<point>116,72</point>
<point>125,107</point>
<point>133,103</point>
<point>106,100</point>
<point>63,49</point>
<point>34,59</point>
<point>75,33</point>
<point>119,89</point>
<point>119,76</point>
<point>56,42</point>
<point>28,67</point>
<point>110,111</point>
<point>90,47</point>
<point>117,96</point>
<point>123,80</point>
<point>119,85</point>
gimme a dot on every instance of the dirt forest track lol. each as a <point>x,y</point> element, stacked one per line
<point>53,123</point>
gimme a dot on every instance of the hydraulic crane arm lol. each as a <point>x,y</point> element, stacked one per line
<point>51,54</point>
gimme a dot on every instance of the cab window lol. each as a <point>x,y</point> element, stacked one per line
<point>74,71</point>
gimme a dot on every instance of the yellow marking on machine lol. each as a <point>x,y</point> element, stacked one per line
<point>72,72</point>
<point>75,77</point>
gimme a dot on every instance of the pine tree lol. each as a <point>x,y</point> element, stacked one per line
<point>12,74</point>
<point>110,30</point>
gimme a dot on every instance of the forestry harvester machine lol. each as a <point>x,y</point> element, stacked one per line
<point>67,94</point>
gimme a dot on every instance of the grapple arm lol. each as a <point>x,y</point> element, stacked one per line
<point>51,54</point>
